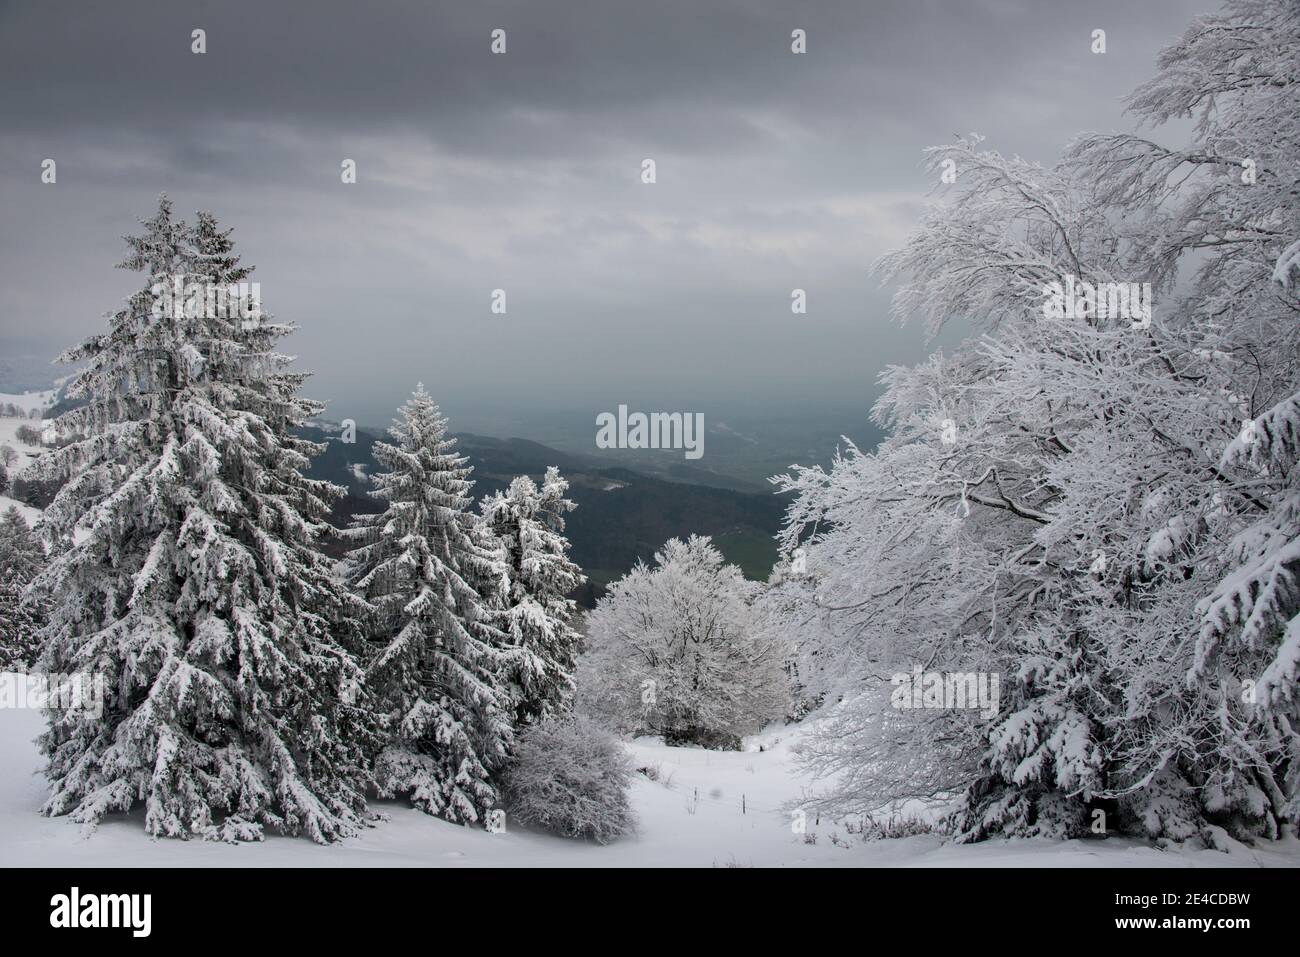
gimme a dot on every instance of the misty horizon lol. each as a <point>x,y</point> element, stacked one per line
<point>521,172</point>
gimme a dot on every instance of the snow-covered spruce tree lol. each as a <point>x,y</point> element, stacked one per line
<point>528,522</point>
<point>194,586</point>
<point>21,558</point>
<point>1251,626</point>
<point>1250,630</point>
<point>673,650</point>
<point>436,582</point>
<point>571,776</point>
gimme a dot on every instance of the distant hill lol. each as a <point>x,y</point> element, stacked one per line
<point>622,515</point>
<point>746,441</point>
<point>27,373</point>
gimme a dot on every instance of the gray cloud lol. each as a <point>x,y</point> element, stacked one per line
<point>521,172</point>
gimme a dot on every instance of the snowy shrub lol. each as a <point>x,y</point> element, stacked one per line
<point>8,456</point>
<point>889,829</point>
<point>570,776</point>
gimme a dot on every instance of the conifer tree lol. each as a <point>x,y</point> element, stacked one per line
<point>435,581</point>
<point>529,524</point>
<point>21,557</point>
<point>194,585</point>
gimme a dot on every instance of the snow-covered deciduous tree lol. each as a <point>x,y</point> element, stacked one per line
<point>186,574</point>
<point>436,582</point>
<point>1055,497</point>
<point>21,558</point>
<point>571,776</point>
<point>674,650</point>
<point>528,522</point>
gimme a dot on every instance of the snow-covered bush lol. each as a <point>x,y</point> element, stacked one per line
<point>675,650</point>
<point>570,776</point>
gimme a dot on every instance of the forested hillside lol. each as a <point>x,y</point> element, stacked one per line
<point>622,515</point>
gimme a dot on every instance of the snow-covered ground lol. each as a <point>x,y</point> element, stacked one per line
<point>702,809</point>
<point>677,828</point>
<point>29,401</point>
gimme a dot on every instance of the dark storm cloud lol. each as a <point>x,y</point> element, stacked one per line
<point>521,172</point>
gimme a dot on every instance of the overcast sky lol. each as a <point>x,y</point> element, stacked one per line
<point>522,172</point>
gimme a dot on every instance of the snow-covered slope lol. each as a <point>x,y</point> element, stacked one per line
<point>9,436</point>
<point>28,402</point>
<point>691,817</point>
<point>696,808</point>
